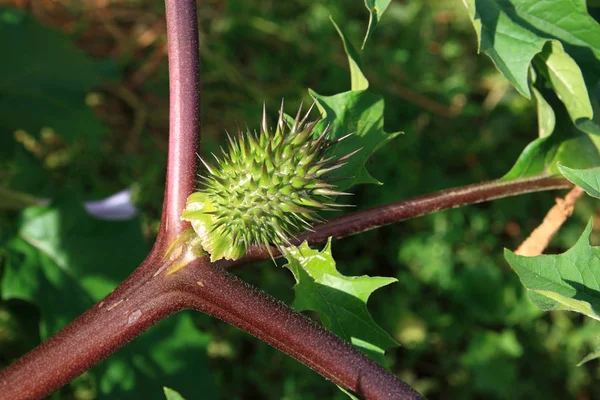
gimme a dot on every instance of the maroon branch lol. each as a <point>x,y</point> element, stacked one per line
<point>365,220</point>
<point>184,113</point>
<point>151,292</point>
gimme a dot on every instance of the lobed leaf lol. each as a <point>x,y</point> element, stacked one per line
<point>568,281</point>
<point>359,113</point>
<point>341,300</point>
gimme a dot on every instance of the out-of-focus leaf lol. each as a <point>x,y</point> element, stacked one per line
<point>592,356</point>
<point>170,394</point>
<point>587,179</point>
<point>376,9</point>
<point>357,78</point>
<point>512,32</point>
<point>490,358</point>
<point>341,300</point>
<point>171,353</point>
<point>64,261</point>
<point>359,113</point>
<point>568,281</point>
<point>43,83</point>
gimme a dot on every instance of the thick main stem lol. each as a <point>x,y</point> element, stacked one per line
<point>133,307</point>
<point>212,290</point>
<point>184,112</point>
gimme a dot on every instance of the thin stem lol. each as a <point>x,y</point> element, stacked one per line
<point>365,220</point>
<point>184,129</point>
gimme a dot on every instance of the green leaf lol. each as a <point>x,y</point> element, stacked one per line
<point>357,78</point>
<point>64,261</point>
<point>568,281</point>
<point>567,144</point>
<point>376,9</point>
<point>170,394</point>
<point>510,46</point>
<point>512,32</point>
<point>44,80</point>
<point>587,179</point>
<point>361,113</point>
<point>592,356</point>
<point>566,78</point>
<point>546,116</point>
<point>341,300</point>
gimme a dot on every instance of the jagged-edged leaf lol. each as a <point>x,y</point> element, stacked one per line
<point>360,113</point>
<point>341,300</point>
<point>587,179</point>
<point>568,281</point>
<point>376,9</point>
<point>64,261</point>
<point>357,78</point>
<point>512,32</point>
<point>170,394</point>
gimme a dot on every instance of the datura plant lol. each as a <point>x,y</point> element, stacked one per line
<point>266,188</point>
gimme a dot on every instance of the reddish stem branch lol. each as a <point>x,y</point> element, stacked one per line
<point>184,128</point>
<point>148,296</point>
<point>138,303</point>
<point>365,220</point>
<point>212,290</point>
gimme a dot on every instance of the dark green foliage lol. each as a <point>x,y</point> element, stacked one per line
<point>464,321</point>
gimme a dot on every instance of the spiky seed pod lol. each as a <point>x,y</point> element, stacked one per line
<point>265,189</point>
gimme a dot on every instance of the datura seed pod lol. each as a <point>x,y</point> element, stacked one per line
<point>267,188</point>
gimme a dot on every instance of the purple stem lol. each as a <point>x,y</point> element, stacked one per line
<point>149,295</point>
<point>365,220</point>
<point>184,127</point>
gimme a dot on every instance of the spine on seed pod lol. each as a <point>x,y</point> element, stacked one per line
<point>265,189</point>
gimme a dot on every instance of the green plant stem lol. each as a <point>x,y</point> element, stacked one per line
<point>365,220</point>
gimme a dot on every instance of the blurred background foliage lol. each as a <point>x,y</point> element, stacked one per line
<point>84,114</point>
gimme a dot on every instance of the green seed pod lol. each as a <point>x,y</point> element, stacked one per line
<point>265,189</point>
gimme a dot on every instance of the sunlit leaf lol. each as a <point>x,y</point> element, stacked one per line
<point>587,179</point>
<point>170,394</point>
<point>359,113</point>
<point>512,32</point>
<point>565,76</point>
<point>357,78</point>
<point>568,281</point>
<point>341,300</point>
<point>376,9</point>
